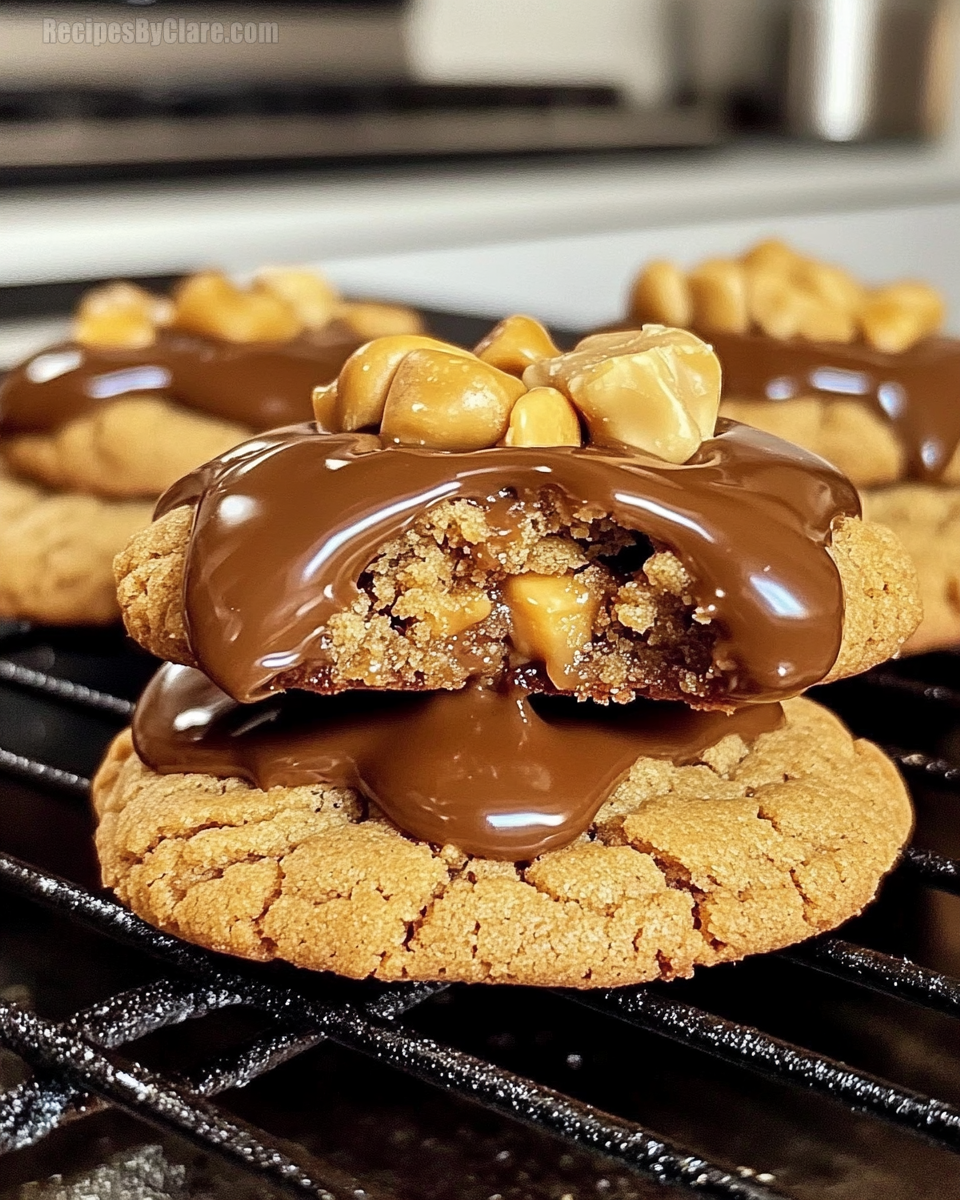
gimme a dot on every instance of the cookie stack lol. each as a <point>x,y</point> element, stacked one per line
<point>94,429</point>
<point>860,375</point>
<point>493,673</point>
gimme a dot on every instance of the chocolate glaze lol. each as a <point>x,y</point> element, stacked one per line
<point>286,523</point>
<point>917,392</point>
<point>258,384</point>
<point>493,772</point>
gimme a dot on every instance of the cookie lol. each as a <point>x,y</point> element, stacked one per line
<point>746,851</point>
<point>56,552</point>
<point>415,576</point>
<point>132,448</point>
<point>148,387</point>
<point>927,521</point>
<point>152,385</point>
<point>844,432</point>
<point>861,375</point>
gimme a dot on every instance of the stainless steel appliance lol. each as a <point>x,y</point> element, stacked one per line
<point>861,69</point>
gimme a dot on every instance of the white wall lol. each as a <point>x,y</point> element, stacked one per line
<point>581,281</point>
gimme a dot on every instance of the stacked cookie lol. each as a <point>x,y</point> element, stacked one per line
<point>493,673</point>
<point>94,429</point>
<point>859,375</point>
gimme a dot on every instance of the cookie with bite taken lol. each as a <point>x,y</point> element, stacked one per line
<point>493,672</point>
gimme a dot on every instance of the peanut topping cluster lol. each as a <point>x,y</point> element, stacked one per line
<point>778,292</point>
<point>656,388</point>
<point>279,305</point>
<point>120,314</point>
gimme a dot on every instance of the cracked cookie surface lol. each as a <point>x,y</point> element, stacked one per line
<point>751,849</point>
<point>56,551</point>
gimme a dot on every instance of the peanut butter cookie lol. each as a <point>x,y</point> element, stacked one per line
<point>927,520</point>
<point>455,516</point>
<point>749,849</point>
<point>148,387</point>
<point>134,447</point>
<point>646,639</point>
<point>56,551</point>
<point>858,374</point>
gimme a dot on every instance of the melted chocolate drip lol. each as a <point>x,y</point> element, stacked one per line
<point>286,524</point>
<point>493,772</point>
<point>258,384</point>
<point>917,392</point>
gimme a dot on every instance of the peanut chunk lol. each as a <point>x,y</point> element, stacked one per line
<point>834,286</point>
<point>308,294</point>
<point>787,295</point>
<point>324,401</point>
<point>771,254</point>
<point>213,306</point>
<point>543,417</point>
<point>515,344</point>
<point>661,296</point>
<point>120,315</point>
<point>895,318</point>
<point>365,378</point>
<point>448,400</point>
<point>373,320</point>
<point>657,388</point>
<point>784,310</point>
<point>718,290</point>
<point>551,621</point>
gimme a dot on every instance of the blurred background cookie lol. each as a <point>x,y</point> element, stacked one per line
<point>862,375</point>
<point>148,387</point>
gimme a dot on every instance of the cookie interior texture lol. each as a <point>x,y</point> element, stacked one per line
<point>748,850</point>
<point>646,639</point>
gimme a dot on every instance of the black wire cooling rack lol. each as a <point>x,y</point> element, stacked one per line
<point>82,684</point>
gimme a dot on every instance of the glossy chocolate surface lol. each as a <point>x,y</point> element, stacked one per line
<point>286,524</point>
<point>258,384</point>
<point>917,392</point>
<point>497,773</point>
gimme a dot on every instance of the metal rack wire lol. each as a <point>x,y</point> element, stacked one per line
<point>77,1070</point>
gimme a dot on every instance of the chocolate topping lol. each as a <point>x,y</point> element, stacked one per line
<point>497,773</point>
<point>258,384</point>
<point>286,524</point>
<point>916,392</point>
